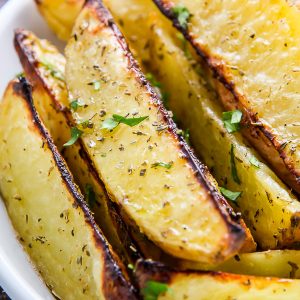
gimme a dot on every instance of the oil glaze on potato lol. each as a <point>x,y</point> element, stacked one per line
<point>47,210</point>
<point>149,171</point>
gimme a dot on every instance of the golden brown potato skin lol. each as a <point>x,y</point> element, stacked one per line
<point>259,77</point>
<point>51,101</point>
<point>48,211</point>
<point>94,25</point>
<point>215,285</point>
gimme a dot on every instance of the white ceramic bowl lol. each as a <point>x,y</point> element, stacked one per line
<point>17,275</point>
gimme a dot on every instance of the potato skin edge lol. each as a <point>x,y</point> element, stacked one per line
<point>119,287</point>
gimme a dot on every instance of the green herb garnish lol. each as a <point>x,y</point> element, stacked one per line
<point>113,122</point>
<point>75,104</point>
<point>86,124</point>
<point>150,77</point>
<point>130,266</point>
<point>20,75</point>
<point>75,135</point>
<point>182,14</point>
<point>234,173</point>
<point>90,195</point>
<point>231,120</point>
<point>254,162</point>
<point>53,70</point>
<point>184,43</point>
<point>162,164</point>
<point>186,136</point>
<point>232,196</point>
<point>153,289</point>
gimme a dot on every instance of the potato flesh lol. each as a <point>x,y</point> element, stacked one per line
<point>53,232</point>
<point>274,263</point>
<point>266,203</point>
<point>228,286</point>
<point>60,15</point>
<point>186,221</point>
<point>260,62</point>
<point>50,97</point>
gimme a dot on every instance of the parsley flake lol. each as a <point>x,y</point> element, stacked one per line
<point>231,120</point>
<point>186,136</point>
<point>234,172</point>
<point>254,162</point>
<point>53,71</point>
<point>162,164</point>
<point>75,104</point>
<point>113,122</point>
<point>182,14</point>
<point>150,77</point>
<point>90,196</point>
<point>184,44</point>
<point>75,135</point>
<point>154,289</point>
<point>230,195</point>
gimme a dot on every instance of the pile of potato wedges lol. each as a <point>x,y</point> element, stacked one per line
<point>159,156</point>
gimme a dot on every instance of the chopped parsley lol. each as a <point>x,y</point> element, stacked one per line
<point>150,77</point>
<point>75,135</point>
<point>130,266</point>
<point>234,172</point>
<point>254,162</point>
<point>20,75</point>
<point>86,124</point>
<point>113,122</point>
<point>153,289</point>
<point>184,44</point>
<point>186,136</point>
<point>232,119</point>
<point>229,195</point>
<point>90,196</point>
<point>53,70</point>
<point>182,14</point>
<point>162,164</point>
<point>75,104</point>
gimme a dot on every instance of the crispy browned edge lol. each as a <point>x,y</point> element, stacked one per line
<point>259,134</point>
<point>148,270</point>
<point>30,65</point>
<point>135,243</point>
<point>115,284</point>
<point>237,234</point>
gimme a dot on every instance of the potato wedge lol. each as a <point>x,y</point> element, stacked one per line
<point>147,169</point>
<point>60,15</point>
<point>45,67</point>
<point>47,210</point>
<point>268,207</point>
<point>274,263</point>
<point>256,67</point>
<point>156,279</point>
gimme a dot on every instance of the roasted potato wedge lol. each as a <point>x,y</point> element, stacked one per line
<point>60,15</point>
<point>256,68</point>
<point>274,263</point>
<point>268,206</point>
<point>147,169</point>
<point>45,67</point>
<point>127,15</point>
<point>156,279</point>
<point>47,210</point>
